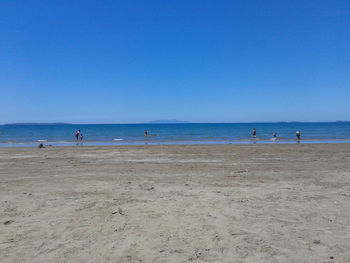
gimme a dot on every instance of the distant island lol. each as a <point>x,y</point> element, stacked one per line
<point>38,123</point>
<point>168,121</point>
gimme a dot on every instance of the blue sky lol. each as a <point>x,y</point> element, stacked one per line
<point>202,61</point>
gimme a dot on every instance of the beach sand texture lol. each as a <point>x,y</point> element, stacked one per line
<point>190,203</point>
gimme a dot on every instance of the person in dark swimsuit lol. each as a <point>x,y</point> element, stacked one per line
<point>77,135</point>
<point>254,132</point>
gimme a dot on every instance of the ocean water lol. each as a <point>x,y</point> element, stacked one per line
<point>184,133</point>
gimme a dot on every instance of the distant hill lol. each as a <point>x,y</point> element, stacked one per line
<point>39,123</point>
<point>168,121</point>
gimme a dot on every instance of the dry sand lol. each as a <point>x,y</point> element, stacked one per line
<point>204,203</point>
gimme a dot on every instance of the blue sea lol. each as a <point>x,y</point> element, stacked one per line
<point>182,133</point>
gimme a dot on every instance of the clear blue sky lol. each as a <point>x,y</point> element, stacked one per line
<point>203,61</point>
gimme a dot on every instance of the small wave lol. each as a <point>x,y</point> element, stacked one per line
<point>117,139</point>
<point>14,142</point>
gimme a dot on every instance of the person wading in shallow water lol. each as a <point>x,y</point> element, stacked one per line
<point>77,134</point>
<point>298,135</point>
<point>254,132</point>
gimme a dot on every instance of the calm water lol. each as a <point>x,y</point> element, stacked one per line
<point>127,134</point>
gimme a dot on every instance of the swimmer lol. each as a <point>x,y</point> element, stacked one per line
<point>254,132</point>
<point>274,137</point>
<point>77,134</point>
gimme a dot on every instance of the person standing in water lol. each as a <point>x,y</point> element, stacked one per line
<point>254,132</point>
<point>145,133</point>
<point>77,134</point>
<point>298,135</point>
<point>274,137</point>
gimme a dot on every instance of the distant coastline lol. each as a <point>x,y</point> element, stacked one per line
<point>38,123</point>
<point>164,122</point>
<point>168,121</point>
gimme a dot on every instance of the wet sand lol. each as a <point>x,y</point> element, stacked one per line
<point>195,203</point>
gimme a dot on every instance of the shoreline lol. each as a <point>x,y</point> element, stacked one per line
<point>121,143</point>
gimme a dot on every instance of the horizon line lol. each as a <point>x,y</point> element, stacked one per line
<point>157,123</point>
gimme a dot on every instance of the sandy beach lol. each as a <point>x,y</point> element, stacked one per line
<point>199,203</point>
